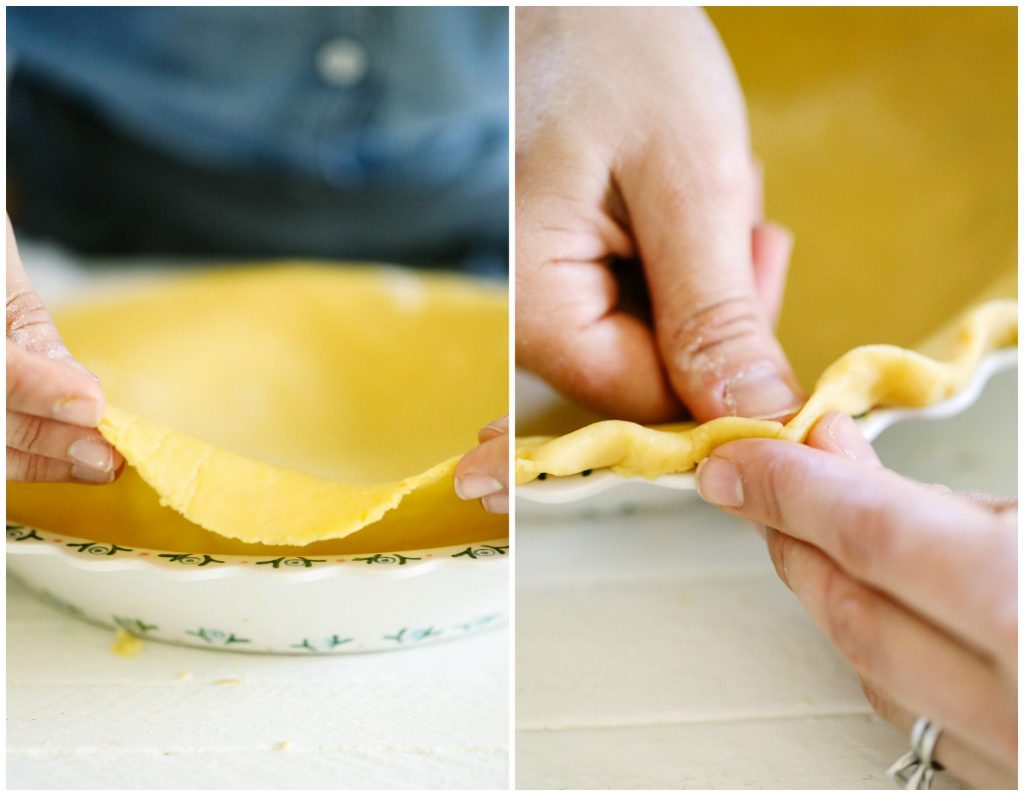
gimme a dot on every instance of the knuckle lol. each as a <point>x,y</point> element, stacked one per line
<point>33,469</point>
<point>863,537</point>
<point>29,467</point>
<point>719,169</point>
<point>1009,740</point>
<point>778,548</point>
<point>24,432</point>
<point>25,311</point>
<point>19,378</point>
<point>1004,621</point>
<point>712,330</point>
<point>851,622</point>
<point>776,475</point>
<point>20,301</point>
<point>707,167</point>
<point>15,465</point>
<point>882,706</point>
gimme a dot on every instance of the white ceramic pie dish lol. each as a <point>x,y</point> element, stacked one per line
<point>146,570</point>
<point>298,605</point>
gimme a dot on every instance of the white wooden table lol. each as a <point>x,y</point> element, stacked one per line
<point>79,716</point>
<point>656,648</point>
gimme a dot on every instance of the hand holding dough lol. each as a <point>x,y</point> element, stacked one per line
<point>53,402</point>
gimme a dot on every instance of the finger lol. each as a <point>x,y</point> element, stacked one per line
<point>23,466</point>
<point>997,503</point>
<point>692,226</point>
<point>55,440</point>
<point>483,473</point>
<point>933,673</point>
<point>756,190</point>
<point>493,429</point>
<point>51,388</point>
<point>569,330</point>
<point>611,365</point>
<point>837,433</point>
<point>949,560</point>
<point>771,246</point>
<point>956,754</point>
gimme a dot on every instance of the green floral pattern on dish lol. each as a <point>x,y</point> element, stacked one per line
<point>293,561</point>
<point>134,626</point>
<point>413,635</point>
<point>483,551</point>
<point>95,548</point>
<point>99,548</point>
<point>19,533</point>
<point>211,636</point>
<point>321,645</point>
<point>190,559</point>
<point>61,604</point>
<point>387,558</point>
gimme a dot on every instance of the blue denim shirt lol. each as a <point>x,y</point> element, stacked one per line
<point>393,104</point>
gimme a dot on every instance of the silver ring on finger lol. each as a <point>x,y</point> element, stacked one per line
<point>916,769</point>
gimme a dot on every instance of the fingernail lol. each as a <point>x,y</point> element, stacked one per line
<point>847,438</point>
<point>89,475</point>
<point>719,483</point>
<point>471,487</point>
<point>78,411</point>
<point>759,393</point>
<point>92,453</point>
<point>496,504</point>
<point>490,431</point>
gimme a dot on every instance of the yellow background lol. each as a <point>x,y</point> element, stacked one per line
<point>889,142</point>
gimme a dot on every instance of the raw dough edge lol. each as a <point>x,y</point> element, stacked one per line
<point>864,378</point>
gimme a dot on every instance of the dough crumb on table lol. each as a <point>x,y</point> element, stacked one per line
<point>126,645</point>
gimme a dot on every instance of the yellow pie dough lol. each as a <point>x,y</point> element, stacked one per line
<point>866,377</point>
<point>249,499</point>
<point>286,408</point>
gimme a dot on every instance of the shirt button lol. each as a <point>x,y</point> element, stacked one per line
<point>342,62</point>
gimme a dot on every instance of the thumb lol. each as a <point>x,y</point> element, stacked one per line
<point>483,473</point>
<point>770,247</point>
<point>28,323</point>
<point>693,229</point>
